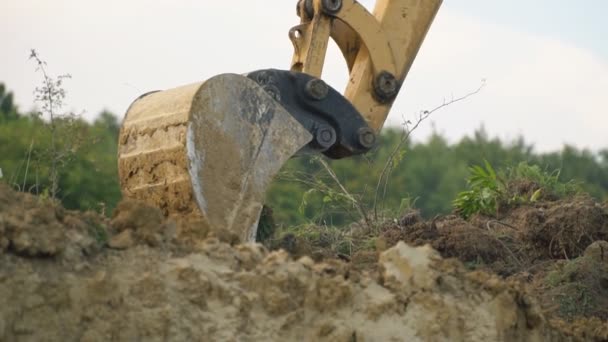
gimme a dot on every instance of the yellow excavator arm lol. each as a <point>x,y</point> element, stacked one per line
<point>211,149</point>
<point>379,48</point>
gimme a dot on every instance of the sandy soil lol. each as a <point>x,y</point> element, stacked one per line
<point>68,276</point>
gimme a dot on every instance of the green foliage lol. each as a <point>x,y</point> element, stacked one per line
<point>266,225</point>
<point>64,127</point>
<point>321,240</point>
<point>490,191</point>
<point>485,191</point>
<point>99,233</point>
<point>545,184</point>
<point>8,110</point>
<point>432,173</point>
<point>89,180</point>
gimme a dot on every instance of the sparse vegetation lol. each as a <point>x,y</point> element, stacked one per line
<point>84,175</point>
<point>65,129</point>
<point>490,191</point>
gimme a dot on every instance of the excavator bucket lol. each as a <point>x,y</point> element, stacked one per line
<point>208,149</point>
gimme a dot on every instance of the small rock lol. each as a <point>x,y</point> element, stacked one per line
<point>381,244</point>
<point>306,261</point>
<point>597,251</point>
<point>410,218</point>
<point>408,268</point>
<point>123,240</point>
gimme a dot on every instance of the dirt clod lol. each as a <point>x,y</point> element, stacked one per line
<point>145,223</point>
<point>33,226</point>
<point>123,240</point>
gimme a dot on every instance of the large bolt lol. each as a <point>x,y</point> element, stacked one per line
<point>331,6</point>
<point>325,136</point>
<point>386,86</point>
<point>366,137</point>
<point>308,8</point>
<point>317,89</point>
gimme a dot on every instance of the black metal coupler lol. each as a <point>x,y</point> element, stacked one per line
<point>338,128</point>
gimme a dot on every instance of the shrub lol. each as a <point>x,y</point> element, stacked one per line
<point>490,191</point>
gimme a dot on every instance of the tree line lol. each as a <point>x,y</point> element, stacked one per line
<point>426,175</point>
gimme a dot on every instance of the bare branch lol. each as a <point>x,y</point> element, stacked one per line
<point>356,203</point>
<point>51,96</point>
<point>407,131</point>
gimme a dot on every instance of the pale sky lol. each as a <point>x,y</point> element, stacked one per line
<point>545,61</point>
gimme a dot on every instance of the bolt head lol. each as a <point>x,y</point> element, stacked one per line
<point>325,136</point>
<point>367,137</point>
<point>309,9</point>
<point>331,6</point>
<point>317,89</point>
<point>386,86</point>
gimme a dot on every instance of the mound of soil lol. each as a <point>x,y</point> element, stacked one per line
<point>70,276</point>
<point>520,238</point>
<point>578,287</point>
<point>35,227</point>
<point>545,245</point>
<point>556,249</point>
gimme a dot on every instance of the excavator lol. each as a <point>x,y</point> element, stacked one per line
<point>212,148</point>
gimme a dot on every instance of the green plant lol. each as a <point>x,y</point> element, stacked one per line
<point>323,240</point>
<point>64,127</point>
<point>99,233</point>
<point>484,191</point>
<point>266,225</point>
<point>489,191</point>
<point>540,183</point>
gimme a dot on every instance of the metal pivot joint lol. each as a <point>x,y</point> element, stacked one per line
<point>386,87</point>
<point>331,7</point>
<point>379,47</point>
<point>338,129</point>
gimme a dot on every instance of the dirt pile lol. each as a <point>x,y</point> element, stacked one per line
<point>576,288</point>
<point>522,237</point>
<point>59,281</point>
<point>556,249</point>
<point>33,227</point>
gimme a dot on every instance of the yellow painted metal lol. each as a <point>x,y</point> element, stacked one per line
<point>310,40</point>
<point>387,40</point>
<point>347,40</point>
<point>371,33</point>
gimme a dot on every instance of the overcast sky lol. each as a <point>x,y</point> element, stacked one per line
<point>545,61</point>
